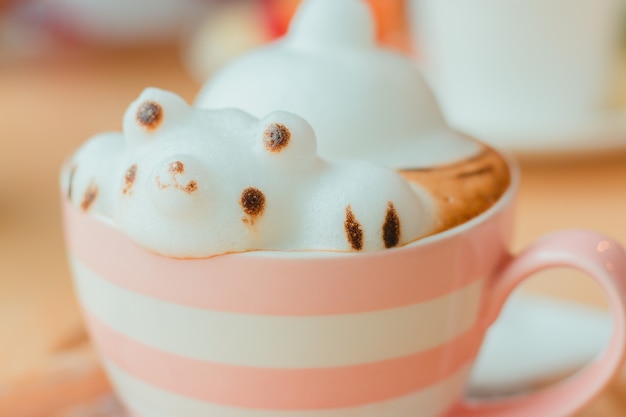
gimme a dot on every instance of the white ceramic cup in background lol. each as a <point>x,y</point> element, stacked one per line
<point>518,65</point>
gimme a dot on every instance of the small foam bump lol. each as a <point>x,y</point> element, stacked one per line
<point>149,114</point>
<point>276,136</point>
<point>252,201</point>
<point>354,231</point>
<point>89,197</point>
<point>285,141</point>
<point>331,22</point>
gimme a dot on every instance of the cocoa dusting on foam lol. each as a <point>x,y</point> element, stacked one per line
<point>276,136</point>
<point>465,189</point>
<point>253,203</point>
<point>89,197</point>
<point>353,229</point>
<point>150,115</point>
<point>176,168</point>
<point>391,228</point>
<point>129,178</point>
<point>191,187</point>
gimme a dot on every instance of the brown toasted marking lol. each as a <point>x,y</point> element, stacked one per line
<point>353,229</point>
<point>191,187</point>
<point>176,168</point>
<point>129,178</point>
<point>252,201</point>
<point>391,228</point>
<point>149,115</point>
<point>480,171</point>
<point>70,185</point>
<point>160,184</point>
<point>90,196</point>
<point>276,136</point>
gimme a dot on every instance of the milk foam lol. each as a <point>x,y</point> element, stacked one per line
<point>188,182</point>
<point>365,102</point>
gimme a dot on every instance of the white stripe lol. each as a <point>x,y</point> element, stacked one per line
<point>151,401</point>
<point>278,342</point>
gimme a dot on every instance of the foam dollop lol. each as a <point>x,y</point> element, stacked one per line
<point>365,102</point>
<point>188,182</point>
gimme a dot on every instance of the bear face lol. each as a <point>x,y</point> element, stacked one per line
<point>194,183</point>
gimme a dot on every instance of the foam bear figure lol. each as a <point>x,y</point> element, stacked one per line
<point>187,182</point>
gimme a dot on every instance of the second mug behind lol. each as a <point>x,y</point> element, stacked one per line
<point>506,67</point>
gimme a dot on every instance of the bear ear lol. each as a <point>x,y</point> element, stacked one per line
<point>285,138</point>
<point>276,137</point>
<point>151,112</point>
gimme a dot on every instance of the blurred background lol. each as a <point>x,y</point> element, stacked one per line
<point>543,80</point>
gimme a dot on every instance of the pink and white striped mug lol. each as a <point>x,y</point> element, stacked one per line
<point>318,334</point>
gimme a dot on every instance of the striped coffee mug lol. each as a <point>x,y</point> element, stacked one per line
<point>320,334</point>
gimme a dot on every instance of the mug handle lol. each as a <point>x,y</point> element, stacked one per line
<point>605,262</point>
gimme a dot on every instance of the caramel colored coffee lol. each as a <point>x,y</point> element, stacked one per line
<point>465,189</point>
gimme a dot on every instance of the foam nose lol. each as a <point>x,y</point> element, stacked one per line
<point>178,185</point>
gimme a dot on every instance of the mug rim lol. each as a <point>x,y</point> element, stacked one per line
<point>504,201</point>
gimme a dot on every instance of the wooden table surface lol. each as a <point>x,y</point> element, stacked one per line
<point>49,106</point>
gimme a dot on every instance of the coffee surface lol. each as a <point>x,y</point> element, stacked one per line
<point>465,189</point>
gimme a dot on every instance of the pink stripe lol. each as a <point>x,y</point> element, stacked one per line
<point>284,389</point>
<point>296,285</point>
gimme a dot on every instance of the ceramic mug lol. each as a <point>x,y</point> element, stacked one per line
<point>322,334</point>
<point>504,67</point>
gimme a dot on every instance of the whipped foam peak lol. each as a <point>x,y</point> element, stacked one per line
<point>187,182</point>
<point>364,101</point>
<point>351,24</point>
